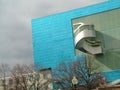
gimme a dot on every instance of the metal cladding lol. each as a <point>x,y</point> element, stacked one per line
<point>52,35</point>
<point>56,40</point>
<point>85,39</point>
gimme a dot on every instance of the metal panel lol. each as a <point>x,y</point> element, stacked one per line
<point>52,35</point>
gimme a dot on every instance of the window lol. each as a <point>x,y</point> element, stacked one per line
<point>10,81</point>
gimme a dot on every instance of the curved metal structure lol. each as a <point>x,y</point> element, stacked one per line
<point>85,39</point>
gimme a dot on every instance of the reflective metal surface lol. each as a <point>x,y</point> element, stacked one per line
<point>83,34</point>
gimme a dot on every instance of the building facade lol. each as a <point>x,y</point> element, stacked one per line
<point>41,80</point>
<point>92,30</point>
<point>98,35</point>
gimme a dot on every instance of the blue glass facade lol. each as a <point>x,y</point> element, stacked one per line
<point>53,37</point>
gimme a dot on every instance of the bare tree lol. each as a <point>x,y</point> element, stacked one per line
<point>19,75</point>
<point>64,73</point>
<point>4,70</point>
<point>26,79</point>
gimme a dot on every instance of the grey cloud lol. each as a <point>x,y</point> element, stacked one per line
<point>15,25</point>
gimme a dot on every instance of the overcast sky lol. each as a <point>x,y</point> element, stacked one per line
<point>15,25</point>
